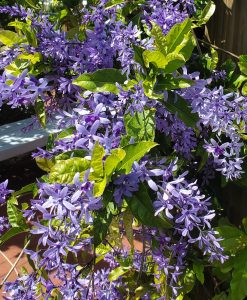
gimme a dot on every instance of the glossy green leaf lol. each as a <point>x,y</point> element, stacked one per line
<point>71,154</point>
<point>142,209</point>
<point>170,82</point>
<point>138,55</point>
<point>11,233</point>
<point>101,81</point>
<point>243,64</point>
<point>244,223</point>
<point>39,108</point>
<point>179,37</point>
<point>198,269</point>
<point>97,160</point>
<point>15,216</point>
<point>134,152</point>
<point>141,126</point>
<point>174,62</point>
<point>207,13</point>
<point>155,57</point>
<point>66,133</point>
<point>179,106</point>
<point>159,38</point>
<point>234,239</point>
<point>44,163</point>
<point>64,171</point>
<point>117,272</point>
<point>99,187</point>
<point>9,38</point>
<point>238,290</point>
<point>113,3</point>
<point>32,187</point>
<point>127,223</point>
<point>112,161</point>
<point>101,223</point>
<point>33,58</point>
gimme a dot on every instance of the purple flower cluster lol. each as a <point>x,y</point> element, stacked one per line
<point>4,225</point>
<point>221,114</point>
<point>4,191</point>
<point>166,13</point>
<point>63,215</point>
<point>22,90</point>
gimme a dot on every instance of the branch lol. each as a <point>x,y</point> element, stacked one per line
<point>218,48</point>
<point>9,262</point>
<point>14,265</point>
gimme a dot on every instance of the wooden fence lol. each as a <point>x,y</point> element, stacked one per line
<point>228,27</point>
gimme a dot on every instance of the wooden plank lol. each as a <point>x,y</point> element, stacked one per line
<point>14,142</point>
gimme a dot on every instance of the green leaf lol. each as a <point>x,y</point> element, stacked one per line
<point>11,233</point>
<point>9,38</point>
<point>101,81</point>
<point>179,37</point>
<point>44,163</point>
<point>159,38</point>
<point>33,58</point>
<point>243,64</point>
<point>207,13</point>
<point>39,108</point>
<point>101,223</point>
<point>234,239</point>
<point>157,58</point>
<point>174,62</point>
<point>238,290</point>
<point>68,132</point>
<point>112,161</point>
<point>97,160</point>
<point>64,171</point>
<point>221,296</point>
<point>187,283</point>
<point>134,152</point>
<point>32,3</point>
<point>138,55</point>
<point>15,216</point>
<point>127,223</point>
<point>244,222</point>
<point>169,82</point>
<point>141,207</point>
<point>179,106</point>
<point>71,154</point>
<point>117,272</point>
<point>214,59</point>
<point>113,3</point>
<point>99,187</point>
<point>32,187</point>
<point>141,126</point>
<point>198,269</point>
<point>173,50</point>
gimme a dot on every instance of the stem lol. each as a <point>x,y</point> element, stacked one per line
<point>218,48</point>
<point>9,262</point>
<point>14,265</point>
<point>197,44</point>
<point>143,254</point>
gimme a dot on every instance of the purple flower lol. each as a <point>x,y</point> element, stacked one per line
<point>125,185</point>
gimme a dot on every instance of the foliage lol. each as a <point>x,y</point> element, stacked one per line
<point>143,142</point>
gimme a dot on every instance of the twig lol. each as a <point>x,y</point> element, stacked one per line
<point>218,48</point>
<point>197,44</point>
<point>14,265</point>
<point>143,254</point>
<point>9,262</point>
